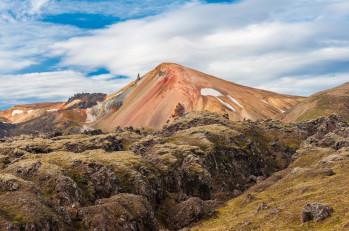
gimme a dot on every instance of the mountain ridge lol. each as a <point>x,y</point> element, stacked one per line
<point>151,102</point>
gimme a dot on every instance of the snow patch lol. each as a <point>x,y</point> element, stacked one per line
<point>92,113</point>
<point>30,111</point>
<point>264,101</point>
<point>235,101</point>
<point>226,104</point>
<point>17,112</point>
<point>210,92</point>
<point>216,94</point>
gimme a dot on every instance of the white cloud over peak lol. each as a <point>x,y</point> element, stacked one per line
<point>294,47</point>
<point>253,42</point>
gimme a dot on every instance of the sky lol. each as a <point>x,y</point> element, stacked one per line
<point>52,49</point>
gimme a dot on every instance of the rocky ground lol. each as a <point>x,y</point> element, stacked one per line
<point>134,179</point>
<point>310,194</point>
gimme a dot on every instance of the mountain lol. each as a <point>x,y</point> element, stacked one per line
<point>324,103</point>
<point>49,118</point>
<point>79,102</point>
<point>169,89</point>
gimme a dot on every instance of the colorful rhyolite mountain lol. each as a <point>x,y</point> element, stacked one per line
<point>151,101</point>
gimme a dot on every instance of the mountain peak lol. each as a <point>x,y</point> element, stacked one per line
<point>155,100</point>
<point>168,65</point>
<point>151,101</point>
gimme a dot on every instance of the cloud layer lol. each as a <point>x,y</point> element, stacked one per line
<point>254,42</point>
<point>53,86</point>
<point>295,47</point>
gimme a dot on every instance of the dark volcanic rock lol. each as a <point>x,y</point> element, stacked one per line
<point>93,132</point>
<point>24,211</point>
<point>318,128</point>
<point>122,212</point>
<point>190,211</point>
<point>5,129</point>
<point>315,212</point>
<point>67,192</point>
<point>96,181</point>
<point>118,181</point>
<point>86,100</point>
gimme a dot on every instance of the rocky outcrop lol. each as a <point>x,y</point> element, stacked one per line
<point>141,180</point>
<point>5,129</point>
<point>318,172</point>
<point>189,211</point>
<point>315,212</point>
<point>122,212</point>
<point>84,100</point>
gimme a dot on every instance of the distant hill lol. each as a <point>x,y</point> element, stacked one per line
<point>324,103</point>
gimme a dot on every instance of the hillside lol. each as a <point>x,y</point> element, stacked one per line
<point>136,180</point>
<point>22,113</point>
<point>49,118</point>
<point>324,103</point>
<point>317,175</point>
<point>133,179</point>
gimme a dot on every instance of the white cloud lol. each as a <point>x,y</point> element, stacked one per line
<point>119,8</point>
<point>254,42</point>
<point>52,86</point>
<point>261,43</point>
<point>23,44</point>
<point>306,85</point>
<point>37,5</point>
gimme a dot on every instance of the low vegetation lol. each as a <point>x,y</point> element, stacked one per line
<point>170,179</point>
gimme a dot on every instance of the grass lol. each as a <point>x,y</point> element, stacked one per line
<point>286,198</point>
<point>326,105</point>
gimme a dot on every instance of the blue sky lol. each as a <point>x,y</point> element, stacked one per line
<point>51,49</point>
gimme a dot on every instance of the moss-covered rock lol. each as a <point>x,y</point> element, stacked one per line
<point>133,180</point>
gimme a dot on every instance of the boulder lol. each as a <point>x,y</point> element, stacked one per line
<point>315,212</point>
<point>122,212</point>
<point>189,211</point>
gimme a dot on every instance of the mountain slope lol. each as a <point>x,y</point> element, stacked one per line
<point>324,103</point>
<point>168,91</point>
<point>48,118</point>
<point>151,101</point>
<point>22,113</point>
<point>27,112</point>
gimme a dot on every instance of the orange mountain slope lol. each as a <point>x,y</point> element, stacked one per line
<point>151,101</point>
<point>22,113</point>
